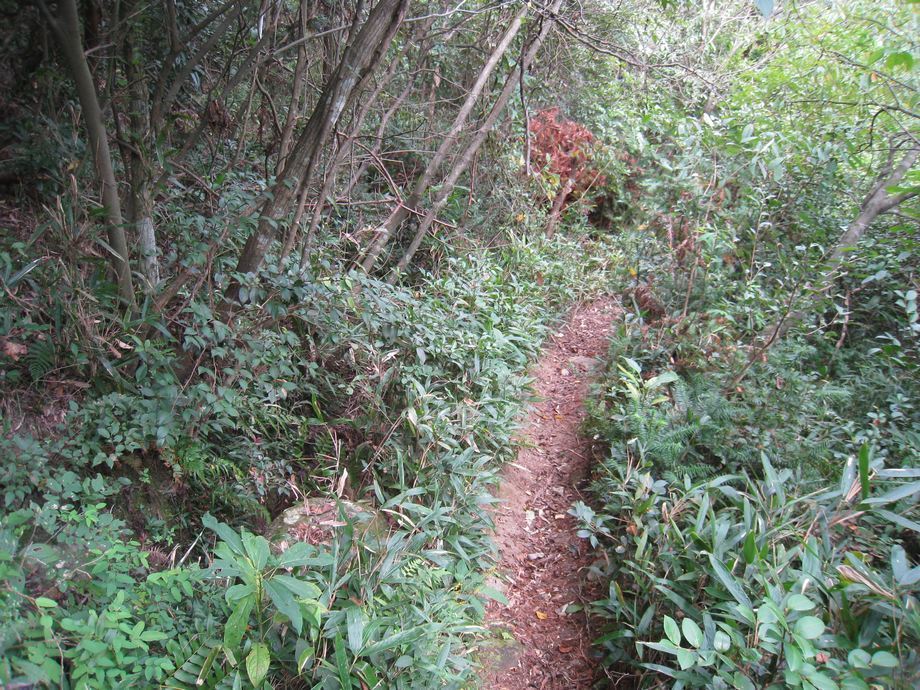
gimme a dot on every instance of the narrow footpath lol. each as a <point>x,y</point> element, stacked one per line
<point>543,566</point>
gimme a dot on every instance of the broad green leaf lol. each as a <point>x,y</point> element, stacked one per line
<point>664,646</point>
<point>899,520</point>
<point>355,621</point>
<point>493,594</point>
<point>742,682</point>
<point>661,380</point>
<point>257,548</point>
<point>911,577</point>
<point>686,658</point>
<point>885,660</point>
<point>794,658</point>
<point>304,657</point>
<point>900,60</point>
<point>848,475</point>
<point>750,548</point>
<point>153,636</point>
<point>297,554</point>
<point>236,624</point>
<point>391,642</point>
<point>859,658</point>
<point>721,642</point>
<point>298,587</point>
<point>821,681</point>
<point>313,611</point>
<point>284,601</point>
<point>903,491</point>
<point>852,682</point>
<point>341,663</point>
<point>809,627</point>
<point>671,630</point>
<point>225,532</point>
<point>799,602</point>
<point>898,562</point>
<point>257,663</point>
<point>692,632</point>
<point>237,592</point>
<point>633,364</point>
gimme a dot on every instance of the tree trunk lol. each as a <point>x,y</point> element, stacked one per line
<point>465,158</point>
<point>137,159</point>
<point>877,202</point>
<point>300,80</point>
<point>424,181</point>
<point>358,62</point>
<point>66,29</point>
<point>344,148</point>
<point>558,203</point>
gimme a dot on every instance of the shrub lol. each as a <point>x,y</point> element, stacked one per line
<point>739,582</point>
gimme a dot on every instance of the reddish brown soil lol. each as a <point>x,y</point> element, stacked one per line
<point>543,564</point>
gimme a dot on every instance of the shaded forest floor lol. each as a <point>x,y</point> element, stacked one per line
<point>544,565</point>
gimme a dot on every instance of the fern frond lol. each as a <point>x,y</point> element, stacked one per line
<point>201,670</point>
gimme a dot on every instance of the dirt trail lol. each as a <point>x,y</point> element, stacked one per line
<point>543,563</point>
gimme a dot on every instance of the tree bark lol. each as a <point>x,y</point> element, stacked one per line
<point>558,203</point>
<point>877,202</point>
<point>136,157</point>
<point>358,61</point>
<point>463,161</point>
<point>300,80</point>
<point>66,29</point>
<point>424,181</point>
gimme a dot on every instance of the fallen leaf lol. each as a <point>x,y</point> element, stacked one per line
<point>540,615</point>
<point>14,350</point>
<point>565,649</point>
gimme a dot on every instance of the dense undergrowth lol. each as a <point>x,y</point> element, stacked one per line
<point>758,536</point>
<point>755,502</point>
<point>402,398</point>
<point>755,506</point>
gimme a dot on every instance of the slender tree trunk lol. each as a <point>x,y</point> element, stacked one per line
<point>358,61</point>
<point>300,80</point>
<point>66,29</point>
<point>877,202</point>
<point>137,160</point>
<point>424,181</point>
<point>466,157</point>
<point>558,203</point>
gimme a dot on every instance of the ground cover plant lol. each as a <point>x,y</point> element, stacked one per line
<point>755,503</point>
<point>257,257</point>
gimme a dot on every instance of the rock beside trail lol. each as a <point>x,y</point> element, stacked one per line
<point>585,364</point>
<point>316,520</point>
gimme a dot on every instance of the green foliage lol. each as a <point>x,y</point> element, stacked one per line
<point>415,392</point>
<point>85,607</point>
<point>735,145</point>
<point>772,587</point>
<point>269,609</point>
